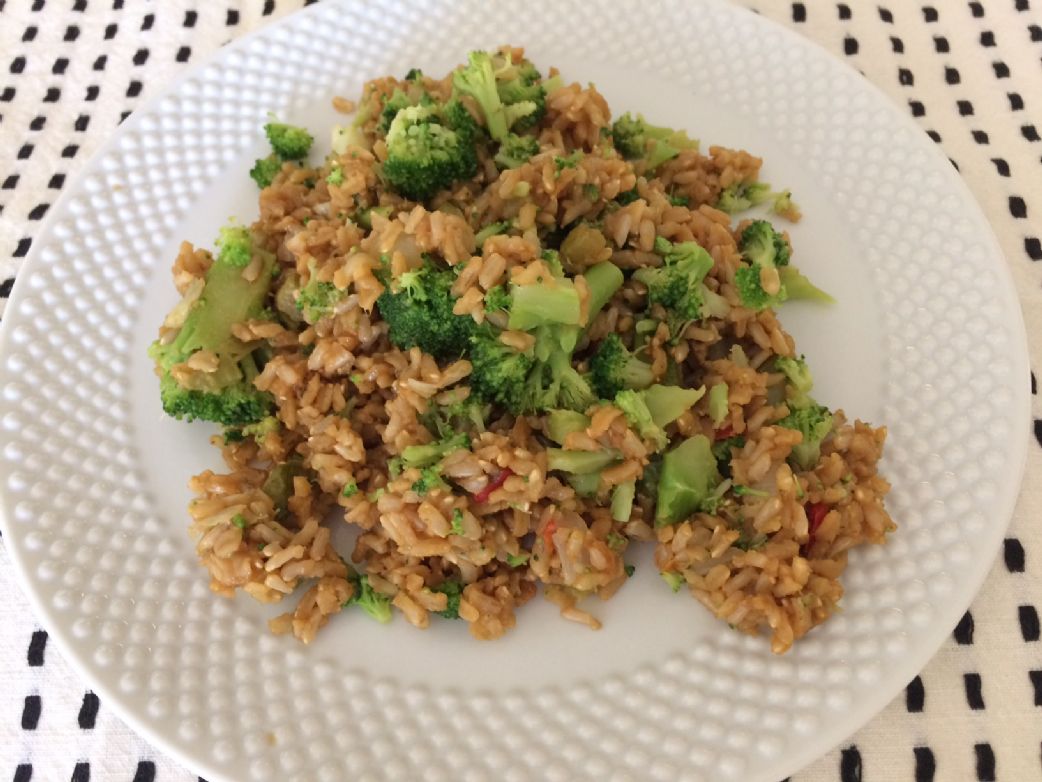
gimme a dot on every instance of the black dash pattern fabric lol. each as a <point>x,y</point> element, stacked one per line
<point>970,73</point>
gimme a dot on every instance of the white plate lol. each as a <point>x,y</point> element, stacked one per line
<point>927,338</point>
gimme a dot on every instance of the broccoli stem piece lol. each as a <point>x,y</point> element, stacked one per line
<point>622,501</point>
<point>540,304</point>
<point>478,80</point>
<point>718,395</point>
<point>585,484</point>
<point>426,455</point>
<point>602,280</point>
<point>688,476</point>
<point>561,423</point>
<point>613,368</point>
<point>799,287</point>
<point>667,403</point>
<point>579,461</point>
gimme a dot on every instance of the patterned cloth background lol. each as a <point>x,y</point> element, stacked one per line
<point>969,72</point>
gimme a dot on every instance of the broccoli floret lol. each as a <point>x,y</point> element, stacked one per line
<point>523,97</point>
<point>796,371</point>
<point>317,299</point>
<point>265,169</point>
<point>456,523</point>
<point>743,195</point>
<point>262,428</point>
<point>226,395</point>
<point>395,103</point>
<point>516,150</point>
<point>677,284</point>
<point>568,161</point>
<point>814,422</point>
<point>429,480</point>
<point>478,80</point>
<point>636,139</point>
<point>634,405</point>
<point>452,589</point>
<point>414,75</point>
<point>761,244</point>
<point>613,368</point>
<point>517,560</point>
<point>336,176</point>
<point>419,313</point>
<point>288,141</point>
<point>688,477</point>
<point>424,155</point>
<point>497,298</point>
<point>377,605</point>
<point>751,292</point>
<point>456,419</point>
<point>349,490</point>
<point>499,373</point>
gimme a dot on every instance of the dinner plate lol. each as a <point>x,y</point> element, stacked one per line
<point>926,338</point>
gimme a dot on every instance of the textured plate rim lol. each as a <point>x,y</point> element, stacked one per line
<point>930,638</point>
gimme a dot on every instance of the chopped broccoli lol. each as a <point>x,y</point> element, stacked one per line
<point>615,541</point>
<point>743,195</point>
<point>478,80</point>
<point>635,407</point>
<point>585,484</point>
<point>492,229</point>
<point>317,299</point>
<point>451,420</point>
<point>677,284</point>
<point>239,521</point>
<point>764,248</point>
<point>456,522</point>
<point>637,139</point>
<point>516,150</point>
<point>761,244</point>
<point>629,570</point>
<point>668,403</point>
<point>288,141</point>
<point>265,169</point>
<point>336,176</point>
<point>419,313</point>
<point>602,280</point>
<point>279,483</point>
<point>717,402</point>
<point>561,423</point>
<point>579,462</point>
<point>425,155</point>
<point>499,373</point>
<point>673,579</point>
<point>429,480</point>
<point>814,422</point>
<point>748,491</point>
<point>523,97</point>
<point>797,286</point>
<point>613,368</point>
<point>226,395</point>
<point>688,477</point>
<point>414,75</point>
<point>431,453</point>
<point>517,560</point>
<point>498,298</point>
<point>377,605</point>
<point>350,490</point>
<point>784,205</point>
<point>627,197</point>
<point>541,304</point>
<point>568,161</point>
<point>796,371</point>
<point>452,589</point>
<point>679,200</point>
<point>262,428</point>
<point>397,101</point>
<point>235,246</point>
<point>622,501</point>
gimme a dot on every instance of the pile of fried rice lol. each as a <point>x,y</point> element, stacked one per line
<point>489,504</point>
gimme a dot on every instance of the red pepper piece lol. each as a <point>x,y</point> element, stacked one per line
<point>491,486</point>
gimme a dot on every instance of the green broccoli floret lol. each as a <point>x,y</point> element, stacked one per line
<point>499,373</point>
<point>453,420</point>
<point>227,395</point>
<point>637,139</point>
<point>796,371</point>
<point>430,479</point>
<point>336,176</point>
<point>377,605</point>
<point>517,560</point>
<point>456,523</point>
<point>497,298</point>
<point>613,368</point>
<point>743,195</point>
<point>814,422</point>
<point>395,103</point>
<point>414,75</point>
<point>761,244</point>
<point>265,169</point>
<point>349,490</point>
<point>516,150</point>
<point>688,477</point>
<point>784,205</point>
<point>317,299</point>
<point>452,589</point>
<point>677,284</point>
<point>764,248</point>
<point>418,311</point>
<point>425,155</point>
<point>288,141</point>
<point>519,86</point>
<point>635,407</point>
<point>478,80</point>
<point>568,161</point>
<point>262,428</point>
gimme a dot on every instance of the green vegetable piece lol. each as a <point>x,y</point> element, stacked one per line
<point>584,484</point>
<point>796,372</point>
<point>634,405</point>
<point>561,423</point>
<point>688,476</point>
<point>517,560</point>
<point>418,311</point>
<point>579,461</point>
<point>425,155</point>
<point>717,402</point>
<point>622,501</point>
<point>265,169</point>
<point>748,491</point>
<point>492,229</point>
<point>457,522</point>
<point>742,196</point>
<point>629,570</point>
<point>279,483</point>
<point>452,588</point>
<point>375,604</point>
<point>602,280</point>
<point>814,422</point>
<point>239,521</point>
<point>350,490</point>
<point>799,287</point>
<point>673,579</point>
<point>539,304</point>
<point>516,150</point>
<point>668,403</point>
<point>288,141</point>
<point>613,368</point>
